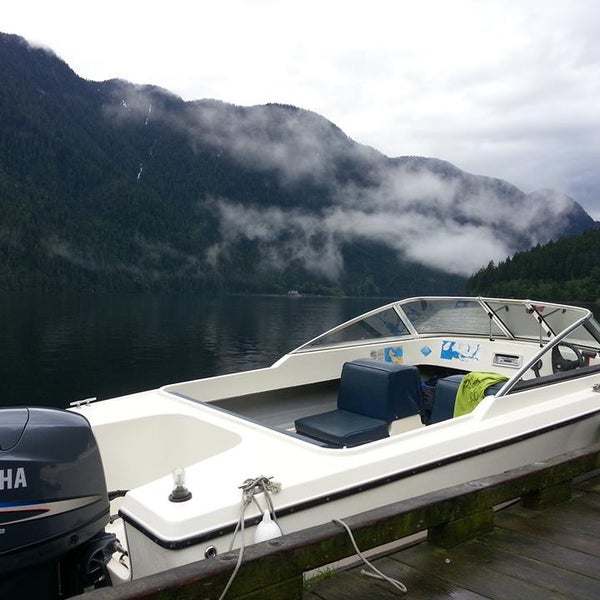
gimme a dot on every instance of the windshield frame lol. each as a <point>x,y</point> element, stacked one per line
<point>523,320</point>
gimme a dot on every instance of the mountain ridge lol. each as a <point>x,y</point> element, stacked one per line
<point>111,185</point>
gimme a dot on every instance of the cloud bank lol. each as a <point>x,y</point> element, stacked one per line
<point>424,211</point>
<point>447,220</point>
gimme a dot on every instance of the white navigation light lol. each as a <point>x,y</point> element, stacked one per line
<point>180,493</point>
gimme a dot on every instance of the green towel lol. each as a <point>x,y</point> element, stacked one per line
<point>471,390</point>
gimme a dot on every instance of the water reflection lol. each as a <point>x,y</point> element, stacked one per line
<point>61,348</point>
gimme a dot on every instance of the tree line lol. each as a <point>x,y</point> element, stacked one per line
<point>563,270</point>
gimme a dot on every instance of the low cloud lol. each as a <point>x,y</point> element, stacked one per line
<point>266,138</point>
<point>426,211</point>
<point>283,236</point>
<point>420,216</point>
<point>316,242</point>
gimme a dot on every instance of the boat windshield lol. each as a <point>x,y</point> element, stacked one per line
<point>450,315</point>
<point>515,319</point>
<point>586,335</point>
<point>531,321</point>
<point>383,323</point>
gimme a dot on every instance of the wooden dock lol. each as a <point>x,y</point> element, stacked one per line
<point>545,554</point>
<point>546,544</point>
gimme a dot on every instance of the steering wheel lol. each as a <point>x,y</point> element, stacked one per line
<point>560,363</point>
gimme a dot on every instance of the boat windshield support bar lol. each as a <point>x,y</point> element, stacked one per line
<point>541,352</point>
<point>544,326</point>
<point>493,315</point>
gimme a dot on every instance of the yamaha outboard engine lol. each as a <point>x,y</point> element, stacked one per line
<point>53,505</point>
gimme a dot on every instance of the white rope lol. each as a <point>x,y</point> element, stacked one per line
<point>250,488</point>
<point>377,574</point>
<point>238,528</point>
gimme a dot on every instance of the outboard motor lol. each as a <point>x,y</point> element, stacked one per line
<point>53,505</point>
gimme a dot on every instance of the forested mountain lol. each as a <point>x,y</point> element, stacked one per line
<point>113,186</point>
<point>568,269</point>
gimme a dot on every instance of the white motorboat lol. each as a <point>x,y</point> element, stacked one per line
<point>415,396</point>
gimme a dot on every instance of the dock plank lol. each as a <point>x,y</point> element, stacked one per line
<point>549,553</point>
<point>545,531</point>
<point>532,550</point>
<point>554,578</point>
<point>344,585</point>
<point>352,584</point>
<point>589,483</point>
<point>475,575</point>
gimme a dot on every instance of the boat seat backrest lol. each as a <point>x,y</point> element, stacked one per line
<point>371,395</point>
<point>444,398</point>
<point>382,390</point>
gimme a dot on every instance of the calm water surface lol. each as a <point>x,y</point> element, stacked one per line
<point>57,349</point>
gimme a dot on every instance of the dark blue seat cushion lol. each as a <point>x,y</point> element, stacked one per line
<point>371,395</point>
<point>341,428</point>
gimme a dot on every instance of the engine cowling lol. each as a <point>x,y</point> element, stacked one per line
<point>53,496</point>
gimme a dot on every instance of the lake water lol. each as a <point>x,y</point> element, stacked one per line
<point>56,349</point>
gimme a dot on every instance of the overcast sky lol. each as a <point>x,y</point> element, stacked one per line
<point>504,88</point>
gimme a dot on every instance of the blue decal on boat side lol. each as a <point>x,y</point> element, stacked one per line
<point>393,354</point>
<point>462,351</point>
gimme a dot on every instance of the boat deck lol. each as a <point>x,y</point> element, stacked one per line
<point>531,554</point>
<point>289,404</point>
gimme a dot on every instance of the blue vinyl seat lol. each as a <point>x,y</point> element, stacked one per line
<point>371,395</point>
<point>444,397</point>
